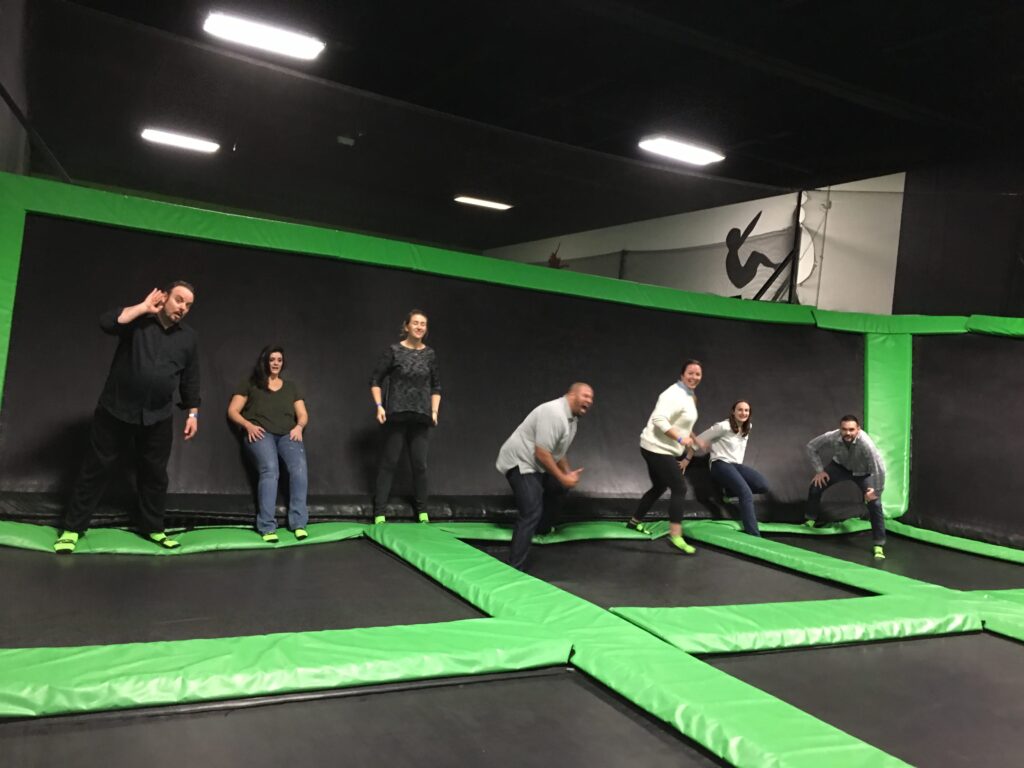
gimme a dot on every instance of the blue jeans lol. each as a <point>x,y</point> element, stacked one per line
<point>742,482</point>
<point>839,474</point>
<point>539,498</point>
<point>264,454</point>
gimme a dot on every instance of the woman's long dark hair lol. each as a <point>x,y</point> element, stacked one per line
<point>745,429</point>
<point>261,372</point>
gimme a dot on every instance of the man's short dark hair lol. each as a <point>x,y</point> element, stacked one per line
<point>183,284</point>
<point>850,417</point>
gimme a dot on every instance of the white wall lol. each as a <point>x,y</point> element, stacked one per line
<point>861,243</point>
<point>848,250</point>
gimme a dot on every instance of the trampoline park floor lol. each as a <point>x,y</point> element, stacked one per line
<point>915,559</point>
<point>517,720</point>
<point>391,694</point>
<point>937,701</point>
<point>653,574</point>
<point>109,598</point>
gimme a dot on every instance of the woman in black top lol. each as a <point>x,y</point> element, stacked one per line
<point>408,410</point>
<point>272,412</point>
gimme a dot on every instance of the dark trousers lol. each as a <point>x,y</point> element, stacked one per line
<point>539,498</point>
<point>839,474</point>
<point>397,434</point>
<point>109,439</point>
<point>665,474</point>
<point>742,482</point>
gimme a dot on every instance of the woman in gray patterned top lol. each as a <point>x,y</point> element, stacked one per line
<point>406,389</point>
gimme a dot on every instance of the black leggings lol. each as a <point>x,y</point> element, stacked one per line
<point>665,474</point>
<point>396,434</point>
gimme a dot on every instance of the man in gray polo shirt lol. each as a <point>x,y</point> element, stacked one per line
<point>533,461</point>
<point>853,456</point>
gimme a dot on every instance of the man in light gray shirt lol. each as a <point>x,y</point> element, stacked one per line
<point>533,461</point>
<point>853,456</point>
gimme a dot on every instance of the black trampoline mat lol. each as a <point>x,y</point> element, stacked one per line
<point>917,560</point>
<point>652,574</point>
<point>943,701</point>
<point>562,719</point>
<point>106,599</point>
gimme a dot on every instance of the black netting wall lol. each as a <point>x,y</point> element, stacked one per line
<point>501,351</point>
<point>967,437</point>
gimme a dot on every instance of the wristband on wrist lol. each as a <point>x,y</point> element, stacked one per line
<point>193,416</point>
<point>380,405</point>
<point>680,440</point>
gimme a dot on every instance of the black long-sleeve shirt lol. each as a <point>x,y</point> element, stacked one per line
<point>149,363</point>
<point>412,377</point>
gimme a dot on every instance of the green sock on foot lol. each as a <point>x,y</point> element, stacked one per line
<point>66,544</point>
<point>879,553</point>
<point>270,538</point>
<point>300,534</point>
<point>638,527</point>
<point>379,520</point>
<point>164,540</point>
<point>423,517</point>
<point>680,543</point>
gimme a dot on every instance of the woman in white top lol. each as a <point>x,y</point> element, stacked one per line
<point>663,444</point>
<point>728,444</point>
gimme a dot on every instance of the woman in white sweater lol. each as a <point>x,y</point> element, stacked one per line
<point>663,444</point>
<point>727,441</point>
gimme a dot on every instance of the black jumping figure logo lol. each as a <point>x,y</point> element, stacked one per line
<point>742,273</point>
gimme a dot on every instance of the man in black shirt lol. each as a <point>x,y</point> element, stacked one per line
<point>156,354</point>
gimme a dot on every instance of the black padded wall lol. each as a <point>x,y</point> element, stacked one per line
<point>501,351</point>
<point>967,433</point>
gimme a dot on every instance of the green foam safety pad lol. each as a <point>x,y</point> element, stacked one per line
<point>121,542</point>
<point>982,548</point>
<point>582,531</point>
<point>50,681</point>
<point>850,574</point>
<point>771,626</point>
<point>727,716</point>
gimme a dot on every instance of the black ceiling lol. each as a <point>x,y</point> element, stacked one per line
<point>537,103</point>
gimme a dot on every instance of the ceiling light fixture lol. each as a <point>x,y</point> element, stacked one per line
<point>194,143</point>
<point>258,35</point>
<point>482,203</point>
<point>682,151</point>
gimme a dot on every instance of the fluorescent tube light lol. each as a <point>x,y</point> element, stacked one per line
<point>257,35</point>
<point>179,140</point>
<point>482,203</point>
<point>680,150</point>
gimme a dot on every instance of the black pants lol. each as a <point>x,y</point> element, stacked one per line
<point>396,434</point>
<point>109,439</point>
<point>539,498</point>
<point>839,474</point>
<point>665,474</point>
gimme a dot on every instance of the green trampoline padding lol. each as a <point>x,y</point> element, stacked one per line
<point>825,567</point>
<point>888,362</point>
<point>583,531</point>
<point>770,626</point>
<point>853,525</point>
<point>121,542</point>
<point>1001,610</point>
<point>740,723</point>
<point>957,542</point>
<point>855,322</point>
<point>1013,595</point>
<point>49,681</point>
<point>996,326</point>
<point>732,719</point>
